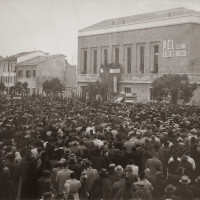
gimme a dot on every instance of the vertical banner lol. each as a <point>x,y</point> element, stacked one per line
<point>115,83</point>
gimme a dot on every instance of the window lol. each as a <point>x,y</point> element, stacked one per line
<point>129,60</point>
<point>84,62</point>
<point>142,59</point>
<point>4,67</point>
<point>105,56</point>
<point>117,55</point>
<point>34,73</point>
<point>127,89</point>
<point>34,91</point>
<point>95,61</point>
<point>156,56</point>
<point>151,93</point>
<point>20,74</point>
<point>83,91</point>
<point>28,73</point>
<point>8,67</point>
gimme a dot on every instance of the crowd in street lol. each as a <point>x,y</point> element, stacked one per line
<point>67,149</point>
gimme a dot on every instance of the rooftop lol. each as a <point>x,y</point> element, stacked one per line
<point>158,15</point>
<point>15,56</point>
<point>39,59</point>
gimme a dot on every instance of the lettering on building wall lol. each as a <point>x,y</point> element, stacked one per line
<point>170,49</point>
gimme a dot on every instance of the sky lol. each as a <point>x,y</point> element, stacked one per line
<point>52,25</point>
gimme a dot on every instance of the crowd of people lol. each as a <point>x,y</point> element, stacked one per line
<point>66,149</point>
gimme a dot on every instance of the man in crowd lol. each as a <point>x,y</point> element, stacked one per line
<point>59,140</point>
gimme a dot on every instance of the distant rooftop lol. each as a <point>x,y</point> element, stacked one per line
<point>142,17</point>
<point>39,59</point>
<point>18,55</point>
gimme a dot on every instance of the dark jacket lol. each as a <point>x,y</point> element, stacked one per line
<point>196,190</point>
<point>184,193</point>
<point>7,189</point>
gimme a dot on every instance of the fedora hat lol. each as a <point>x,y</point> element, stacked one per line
<point>46,172</point>
<point>67,151</point>
<point>184,157</point>
<point>129,169</point>
<point>140,183</point>
<point>112,165</point>
<point>170,188</point>
<point>184,180</point>
<point>197,180</point>
<point>103,172</point>
<point>60,195</point>
<point>119,169</point>
<point>72,155</point>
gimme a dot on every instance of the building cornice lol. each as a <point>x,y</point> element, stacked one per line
<point>168,21</point>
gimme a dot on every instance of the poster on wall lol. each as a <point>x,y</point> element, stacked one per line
<point>172,49</point>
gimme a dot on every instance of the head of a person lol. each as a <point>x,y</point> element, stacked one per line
<point>65,164</point>
<point>166,143</point>
<point>73,175</point>
<point>128,183</point>
<point>6,172</point>
<point>175,156</point>
<point>159,175</point>
<point>184,157</point>
<point>131,162</point>
<point>170,189</point>
<point>155,155</point>
<point>46,173</point>
<point>47,196</point>
<point>185,180</point>
<point>103,173</point>
<point>142,175</point>
<point>147,171</point>
<point>87,164</point>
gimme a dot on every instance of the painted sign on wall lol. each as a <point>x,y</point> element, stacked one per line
<point>171,49</point>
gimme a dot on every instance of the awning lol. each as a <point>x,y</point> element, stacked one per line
<point>129,101</point>
<point>118,100</point>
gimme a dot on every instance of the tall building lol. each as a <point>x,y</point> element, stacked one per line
<point>146,45</point>
<point>8,66</point>
<point>36,71</point>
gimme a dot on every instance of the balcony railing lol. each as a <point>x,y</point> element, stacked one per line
<point>149,77</point>
<point>87,77</point>
<point>137,78</point>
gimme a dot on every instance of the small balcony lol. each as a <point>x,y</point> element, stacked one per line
<point>150,77</point>
<point>139,77</point>
<point>87,77</point>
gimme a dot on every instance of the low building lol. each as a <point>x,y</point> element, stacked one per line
<point>146,45</point>
<point>8,66</point>
<point>37,70</point>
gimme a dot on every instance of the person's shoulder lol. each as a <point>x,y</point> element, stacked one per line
<point>58,172</point>
<point>94,170</point>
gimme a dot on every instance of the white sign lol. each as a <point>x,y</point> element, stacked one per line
<point>115,84</point>
<point>113,71</point>
<point>173,50</point>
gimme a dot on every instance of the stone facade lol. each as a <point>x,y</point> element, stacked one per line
<point>8,66</point>
<point>45,67</point>
<point>170,45</point>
